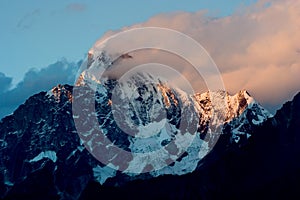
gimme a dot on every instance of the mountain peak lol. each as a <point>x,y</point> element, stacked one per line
<point>244,91</point>
<point>61,91</point>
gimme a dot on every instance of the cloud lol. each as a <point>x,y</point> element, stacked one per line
<point>27,20</point>
<point>256,48</point>
<point>61,72</point>
<point>76,7</point>
<point>5,83</point>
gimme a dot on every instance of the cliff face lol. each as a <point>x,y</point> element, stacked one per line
<point>40,149</point>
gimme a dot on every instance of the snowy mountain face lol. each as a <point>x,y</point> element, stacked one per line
<point>139,128</point>
<point>159,129</point>
<point>39,142</point>
<point>40,138</point>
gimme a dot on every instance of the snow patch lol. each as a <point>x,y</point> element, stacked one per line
<point>80,148</point>
<point>8,183</point>
<point>196,151</point>
<point>236,138</point>
<point>260,120</point>
<point>250,100</point>
<point>47,154</point>
<point>150,129</point>
<point>49,93</point>
<point>101,174</point>
<point>71,154</point>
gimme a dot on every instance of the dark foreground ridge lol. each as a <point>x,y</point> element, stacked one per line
<point>42,158</point>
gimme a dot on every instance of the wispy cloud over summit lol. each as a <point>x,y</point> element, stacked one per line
<point>254,48</point>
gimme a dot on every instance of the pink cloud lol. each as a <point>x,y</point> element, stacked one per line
<point>257,48</point>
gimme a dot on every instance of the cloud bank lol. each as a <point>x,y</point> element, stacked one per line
<point>257,48</point>
<point>61,72</point>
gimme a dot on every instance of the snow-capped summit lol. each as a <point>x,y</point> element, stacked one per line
<point>98,60</point>
<point>235,104</point>
<point>60,91</point>
<point>143,114</point>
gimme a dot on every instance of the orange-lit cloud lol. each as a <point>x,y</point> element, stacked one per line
<point>257,48</point>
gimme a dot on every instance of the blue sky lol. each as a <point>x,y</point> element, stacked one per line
<point>37,33</point>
